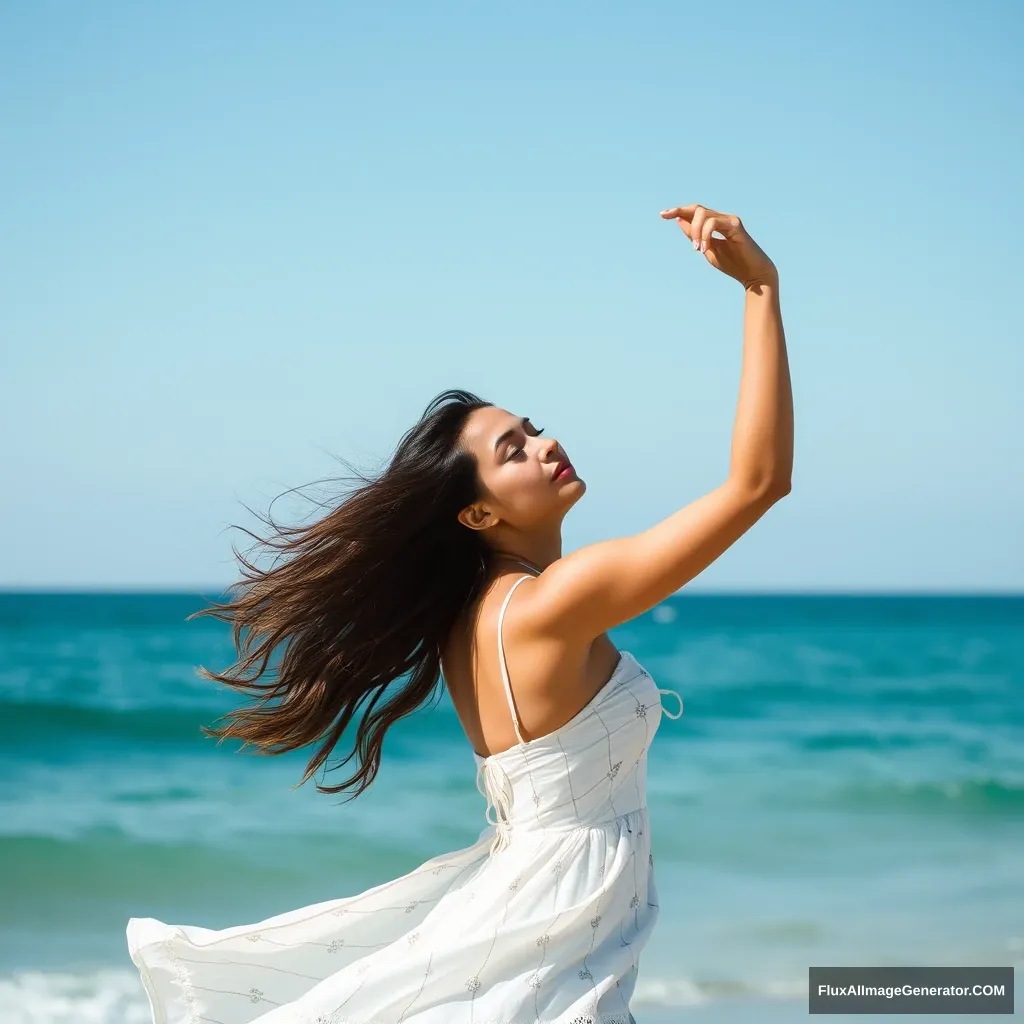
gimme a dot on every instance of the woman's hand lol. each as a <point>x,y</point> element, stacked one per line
<point>737,255</point>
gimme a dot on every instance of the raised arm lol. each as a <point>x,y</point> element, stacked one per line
<point>603,585</point>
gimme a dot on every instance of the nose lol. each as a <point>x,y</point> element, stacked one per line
<point>552,450</point>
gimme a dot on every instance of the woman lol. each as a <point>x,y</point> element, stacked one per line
<point>544,917</point>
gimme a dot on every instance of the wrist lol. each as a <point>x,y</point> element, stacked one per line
<point>765,283</point>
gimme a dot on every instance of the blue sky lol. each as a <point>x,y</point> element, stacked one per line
<point>237,240</point>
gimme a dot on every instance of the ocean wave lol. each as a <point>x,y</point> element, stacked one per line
<point>105,996</point>
<point>26,722</point>
<point>23,721</point>
<point>984,796</point>
<point>976,698</point>
<point>107,864</point>
<point>107,874</point>
<point>683,991</point>
<point>854,739</point>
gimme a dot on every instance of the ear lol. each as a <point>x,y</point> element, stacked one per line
<point>476,517</point>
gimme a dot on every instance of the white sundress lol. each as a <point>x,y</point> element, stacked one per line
<point>540,921</point>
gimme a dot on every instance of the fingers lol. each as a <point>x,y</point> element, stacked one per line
<point>698,222</point>
<point>700,215</point>
<point>709,225</point>
<point>682,214</point>
<point>679,211</point>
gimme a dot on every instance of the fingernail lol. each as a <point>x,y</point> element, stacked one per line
<point>703,246</point>
<point>696,244</point>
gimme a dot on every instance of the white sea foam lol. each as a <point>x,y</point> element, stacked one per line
<point>661,992</point>
<point>113,996</point>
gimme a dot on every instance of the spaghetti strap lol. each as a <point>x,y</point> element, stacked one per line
<point>501,659</point>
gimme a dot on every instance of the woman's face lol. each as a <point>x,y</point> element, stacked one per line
<point>516,465</point>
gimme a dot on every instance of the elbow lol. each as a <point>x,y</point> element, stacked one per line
<point>772,490</point>
<point>768,488</point>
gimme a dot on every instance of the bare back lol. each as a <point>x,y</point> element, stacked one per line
<point>550,680</point>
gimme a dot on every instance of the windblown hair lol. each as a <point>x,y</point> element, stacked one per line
<point>363,596</point>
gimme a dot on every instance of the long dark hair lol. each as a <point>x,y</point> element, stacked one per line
<point>364,595</point>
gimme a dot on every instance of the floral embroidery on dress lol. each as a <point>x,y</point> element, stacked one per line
<point>255,995</point>
<point>184,980</point>
<point>641,710</point>
<point>412,906</point>
<point>585,974</point>
<point>595,921</point>
<point>473,984</point>
<point>614,770</point>
<point>604,1018</point>
<point>336,944</point>
<point>255,937</point>
<point>514,884</point>
<point>534,980</point>
<point>634,902</point>
<point>543,940</point>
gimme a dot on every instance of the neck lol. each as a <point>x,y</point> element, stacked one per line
<point>536,564</point>
<point>538,547</point>
<point>526,565</point>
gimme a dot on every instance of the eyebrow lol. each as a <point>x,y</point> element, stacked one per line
<point>509,433</point>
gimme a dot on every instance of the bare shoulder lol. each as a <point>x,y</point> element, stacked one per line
<point>524,629</point>
<point>550,677</point>
<point>559,671</point>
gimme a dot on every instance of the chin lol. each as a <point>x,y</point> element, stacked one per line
<point>579,488</point>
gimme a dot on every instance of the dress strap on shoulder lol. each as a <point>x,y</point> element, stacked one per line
<point>678,698</point>
<point>501,658</point>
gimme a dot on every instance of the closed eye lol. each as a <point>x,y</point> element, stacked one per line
<point>515,449</point>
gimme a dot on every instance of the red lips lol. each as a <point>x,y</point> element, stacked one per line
<point>560,467</point>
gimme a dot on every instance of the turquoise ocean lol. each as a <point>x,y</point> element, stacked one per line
<point>845,787</point>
